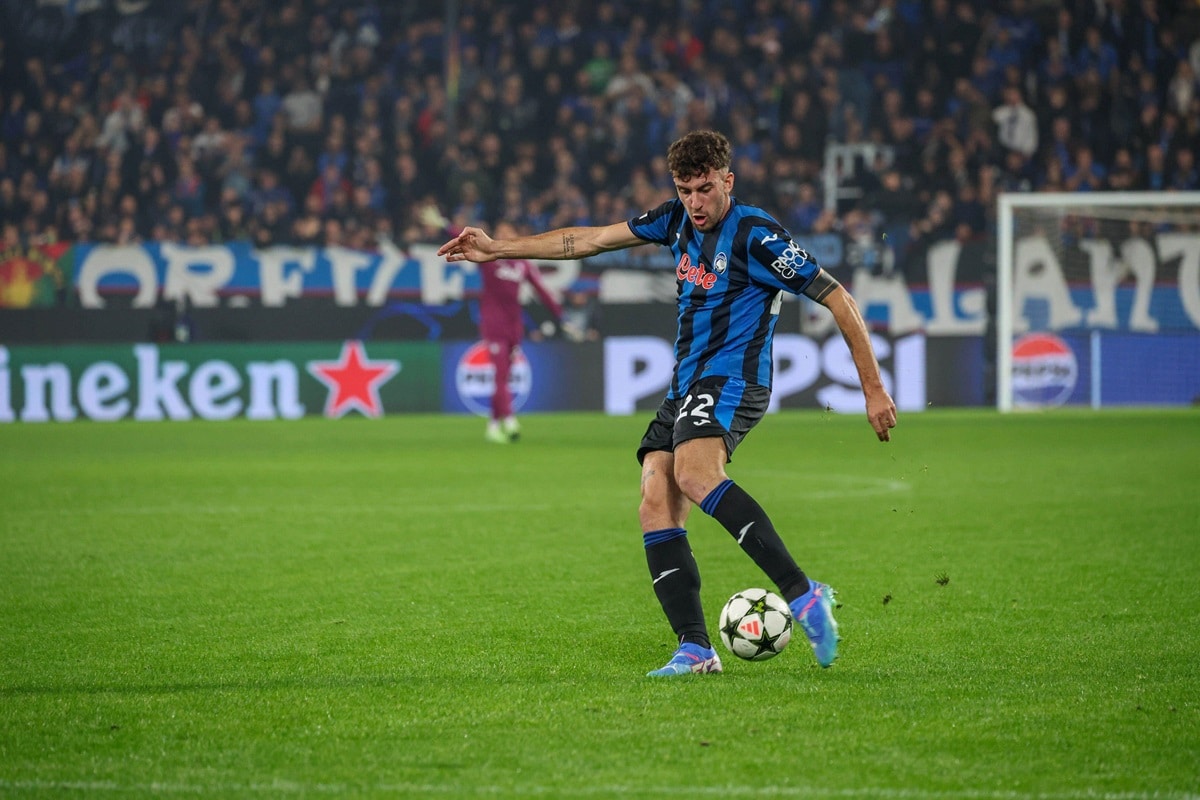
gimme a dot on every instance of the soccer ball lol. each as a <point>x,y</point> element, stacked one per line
<point>756,624</point>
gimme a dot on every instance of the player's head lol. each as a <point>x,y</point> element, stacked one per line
<point>699,153</point>
<point>699,164</point>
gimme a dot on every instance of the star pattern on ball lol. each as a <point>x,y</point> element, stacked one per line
<point>755,625</point>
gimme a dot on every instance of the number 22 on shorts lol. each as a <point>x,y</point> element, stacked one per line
<point>699,412</point>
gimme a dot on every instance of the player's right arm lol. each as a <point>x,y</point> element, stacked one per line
<point>881,410</point>
<point>563,243</point>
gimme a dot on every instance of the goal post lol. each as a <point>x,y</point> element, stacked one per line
<point>1097,299</point>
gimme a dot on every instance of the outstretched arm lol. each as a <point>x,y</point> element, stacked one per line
<point>564,243</point>
<point>881,411</point>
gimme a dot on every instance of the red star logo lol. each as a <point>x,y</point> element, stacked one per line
<point>353,381</point>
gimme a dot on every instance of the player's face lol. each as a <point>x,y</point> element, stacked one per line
<point>706,197</point>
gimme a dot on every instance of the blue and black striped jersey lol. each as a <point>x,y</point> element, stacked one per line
<point>729,288</point>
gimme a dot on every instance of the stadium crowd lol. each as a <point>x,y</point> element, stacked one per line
<point>340,121</point>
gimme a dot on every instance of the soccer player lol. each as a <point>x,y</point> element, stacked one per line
<point>732,263</point>
<point>502,327</point>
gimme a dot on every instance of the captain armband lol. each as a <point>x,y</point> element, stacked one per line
<point>821,286</point>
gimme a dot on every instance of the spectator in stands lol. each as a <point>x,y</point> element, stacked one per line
<point>1096,54</point>
<point>1016,175</point>
<point>892,202</point>
<point>269,192</point>
<point>806,210</point>
<point>1083,174</point>
<point>266,104</point>
<point>189,187</point>
<point>968,215</point>
<point>233,224</point>
<point>1184,174</point>
<point>328,184</point>
<point>11,209</point>
<point>1123,177</point>
<point>12,122</point>
<point>1016,124</point>
<point>302,108</point>
<point>308,226</point>
<point>69,165</point>
<point>121,124</point>
<point>1182,89</point>
<point>234,168</point>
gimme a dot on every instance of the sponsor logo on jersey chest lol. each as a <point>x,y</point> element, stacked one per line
<point>697,274</point>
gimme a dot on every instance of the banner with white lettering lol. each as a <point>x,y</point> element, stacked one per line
<point>619,375</point>
<point>151,383</point>
<point>239,274</point>
<point>809,372</point>
<point>1135,285</point>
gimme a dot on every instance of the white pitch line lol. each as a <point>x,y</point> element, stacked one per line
<point>850,486</point>
<point>283,787</point>
<point>449,507</point>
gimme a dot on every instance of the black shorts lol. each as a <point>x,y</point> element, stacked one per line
<point>719,406</point>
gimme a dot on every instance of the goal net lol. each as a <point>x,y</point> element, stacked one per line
<point>1098,299</point>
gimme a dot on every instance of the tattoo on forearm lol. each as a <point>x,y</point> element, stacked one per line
<point>568,244</point>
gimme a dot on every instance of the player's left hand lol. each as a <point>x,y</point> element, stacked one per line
<point>881,413</point>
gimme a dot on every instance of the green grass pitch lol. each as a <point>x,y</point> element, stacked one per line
<point>393,608</point>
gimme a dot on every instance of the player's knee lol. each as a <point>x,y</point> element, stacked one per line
<point>694,484</point>
<point>662,507</point>
<point>699,467</point>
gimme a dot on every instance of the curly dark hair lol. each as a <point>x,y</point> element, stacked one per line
<point>698,153</point>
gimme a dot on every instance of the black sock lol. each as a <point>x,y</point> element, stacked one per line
<point>677,583</point>
<point>751,528</point>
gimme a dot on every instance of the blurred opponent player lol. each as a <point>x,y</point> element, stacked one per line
<point>733,261</point>
<point>502,327</point>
